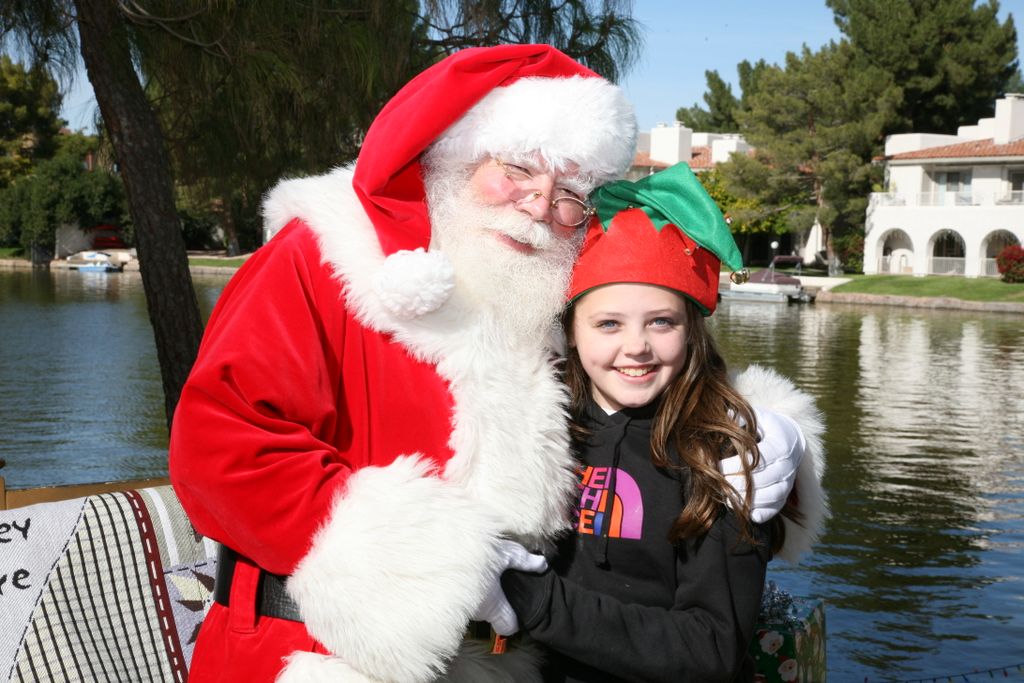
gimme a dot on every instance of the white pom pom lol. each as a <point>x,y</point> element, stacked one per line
<point>414,283</point>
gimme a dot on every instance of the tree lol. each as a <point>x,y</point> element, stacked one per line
<point>745,214</point>
<point>250,92</point>
<point>720,116</point>
<point>29,103</point>
<point>816,125</point>
<point>47,30</point>
<point>598,33</point>
<point>59,191</point>
<point>952,59</point>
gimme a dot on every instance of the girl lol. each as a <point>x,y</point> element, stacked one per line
<point>662,579</point>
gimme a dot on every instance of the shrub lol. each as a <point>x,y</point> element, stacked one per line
<point>1010,263</point>
<point>850,250</point>
<point>58,191</point>
<point>199,230</point>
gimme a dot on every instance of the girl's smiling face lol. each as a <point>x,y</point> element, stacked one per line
<point>631,340</point>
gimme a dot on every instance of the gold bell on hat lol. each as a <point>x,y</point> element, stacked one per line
<point>739,276</point>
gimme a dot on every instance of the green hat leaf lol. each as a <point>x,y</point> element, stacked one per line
<point>672,196</point>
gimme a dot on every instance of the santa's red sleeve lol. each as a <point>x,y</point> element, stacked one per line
<point>251,455</point>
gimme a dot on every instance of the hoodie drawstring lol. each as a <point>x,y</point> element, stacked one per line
<point>610,506</point>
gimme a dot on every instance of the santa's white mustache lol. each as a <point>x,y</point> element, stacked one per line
<point>535,234</point>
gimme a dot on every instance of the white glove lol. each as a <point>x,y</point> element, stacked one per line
<point>782,448</point>
<point>495,608</point>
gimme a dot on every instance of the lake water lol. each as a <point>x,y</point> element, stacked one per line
<point>921,566</point>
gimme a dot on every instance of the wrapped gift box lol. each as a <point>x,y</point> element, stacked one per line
<point>790,647</point>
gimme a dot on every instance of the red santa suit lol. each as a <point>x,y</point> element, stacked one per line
<point>416,454</point>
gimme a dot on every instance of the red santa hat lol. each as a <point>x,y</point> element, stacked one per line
<point>510,99</point>
<point>664,230</point>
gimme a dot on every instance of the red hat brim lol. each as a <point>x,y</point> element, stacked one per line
<point>633,250</point>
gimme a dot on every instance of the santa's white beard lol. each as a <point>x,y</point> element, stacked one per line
<point>525,292</point>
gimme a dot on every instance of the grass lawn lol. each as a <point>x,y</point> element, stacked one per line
<point>12,252</point>
<point>973,289</point>
<point>216,262</point>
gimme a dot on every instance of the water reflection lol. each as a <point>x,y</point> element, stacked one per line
<point>80,390</point>
<point>921,564</point>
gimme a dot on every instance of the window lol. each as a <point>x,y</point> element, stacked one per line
<point>1016,187</point>
<point>953,186</point>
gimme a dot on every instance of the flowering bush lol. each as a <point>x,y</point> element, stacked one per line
<point>1010,263</point>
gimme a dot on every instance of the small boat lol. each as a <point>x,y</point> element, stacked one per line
<point>94,262</point>
<point>770,286</point>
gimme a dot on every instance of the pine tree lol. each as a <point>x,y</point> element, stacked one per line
<point>720,116</point>
<point>951,59</point>
<point>600,34</point>
<point>29,103</point>
<point>816,124</point>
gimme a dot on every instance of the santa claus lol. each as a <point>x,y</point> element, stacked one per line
<point>376,413</point>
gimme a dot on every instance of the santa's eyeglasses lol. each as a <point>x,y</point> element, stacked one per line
<point>566,209</point>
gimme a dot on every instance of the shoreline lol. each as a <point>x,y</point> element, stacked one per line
<point>822,291</point>
<point>130,267</point>
<point>928,302</point>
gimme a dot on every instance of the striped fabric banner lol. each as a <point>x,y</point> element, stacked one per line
<point>124,598</point>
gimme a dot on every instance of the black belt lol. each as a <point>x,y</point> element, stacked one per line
<point>271,598</point>
<point>273,601</point>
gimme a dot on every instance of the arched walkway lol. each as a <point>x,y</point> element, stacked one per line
<point>896,253</point>
<point>947,253</point>
<point>994,243</point>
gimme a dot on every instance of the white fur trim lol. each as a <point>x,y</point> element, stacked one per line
<point>394,576</point>
<point>414,283</point>
<point>473,664</point>
<point>309,667</point>
<point>765,388</point>
<point>576,119</point>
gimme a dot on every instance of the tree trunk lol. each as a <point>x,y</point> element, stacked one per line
<point>224,208</point>
<point>834,267</point>
<point>145,169</point>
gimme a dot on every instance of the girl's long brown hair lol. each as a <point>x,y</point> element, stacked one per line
<point>696,425</point>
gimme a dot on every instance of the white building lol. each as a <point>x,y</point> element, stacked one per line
<point>668,144</point>
<point>953,201</point>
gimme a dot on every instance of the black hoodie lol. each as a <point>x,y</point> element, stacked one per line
<point>622,603</point>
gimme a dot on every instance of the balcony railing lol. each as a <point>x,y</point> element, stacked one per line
<point>947,199</point>
<point>888,199</point>
<point>947,265</point>
<point>1015,198</point>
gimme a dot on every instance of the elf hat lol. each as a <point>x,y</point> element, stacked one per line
<point>509,99</point>
<point>661,230</point>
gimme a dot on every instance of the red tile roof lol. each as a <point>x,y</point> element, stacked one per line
<point>974,148</point>
<point>700,158</point>
<point>644,159</point>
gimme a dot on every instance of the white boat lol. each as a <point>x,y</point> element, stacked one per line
<point>770,286</point>
<point>94,262</point>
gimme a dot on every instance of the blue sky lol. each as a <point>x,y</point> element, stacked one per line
<point>683,38</point>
